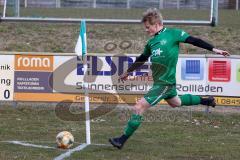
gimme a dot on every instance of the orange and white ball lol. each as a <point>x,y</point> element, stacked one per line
<point>64,140</point>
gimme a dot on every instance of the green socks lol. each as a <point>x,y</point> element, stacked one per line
<point>188,100</point>
<point>136,120</point>
<point>133,124</point>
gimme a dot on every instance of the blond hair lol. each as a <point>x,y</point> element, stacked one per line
<point>152,16</point>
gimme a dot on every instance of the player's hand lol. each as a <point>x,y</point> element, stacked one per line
<point>123,77</point>
<point>221,52</point>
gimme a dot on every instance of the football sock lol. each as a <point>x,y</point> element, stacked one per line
<point>188,100</point>
<point>133,124</point>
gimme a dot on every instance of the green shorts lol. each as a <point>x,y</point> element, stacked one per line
<point>159,92</point>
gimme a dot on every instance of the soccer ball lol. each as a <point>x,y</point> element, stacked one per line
<point>64,140</point>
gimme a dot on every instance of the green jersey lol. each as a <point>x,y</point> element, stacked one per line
<point>163,51</point>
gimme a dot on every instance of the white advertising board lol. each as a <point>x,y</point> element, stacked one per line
<point>6,77</point>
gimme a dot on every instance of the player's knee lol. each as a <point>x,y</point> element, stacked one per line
<point>175,104</point>
<point>139,108</point>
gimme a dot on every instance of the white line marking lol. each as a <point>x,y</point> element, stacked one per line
<point>28,144</point>
<point>70,151</point>
<point>60,157</point>
<point>107,145</point>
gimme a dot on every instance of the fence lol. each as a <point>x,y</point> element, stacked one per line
<point>194,4</point>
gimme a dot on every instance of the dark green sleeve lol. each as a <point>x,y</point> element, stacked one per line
<point>141,59</point>
<point>147,50</point>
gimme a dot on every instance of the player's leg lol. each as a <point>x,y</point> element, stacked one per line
<point>187,99</point>
<point>154,95</point>
<point>184,100</point>
<point>174,102</point>
<point>134,122</point>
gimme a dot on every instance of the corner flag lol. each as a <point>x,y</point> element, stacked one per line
<point>81,50</point>
<point>81,46</point>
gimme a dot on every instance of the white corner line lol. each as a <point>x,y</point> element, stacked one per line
<point>70,151</point>
<point>60,157</point>
<point>28,144</point>
<point>107,145</point>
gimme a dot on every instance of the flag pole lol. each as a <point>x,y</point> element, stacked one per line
<point>87,107</point>
<point>81,50</point>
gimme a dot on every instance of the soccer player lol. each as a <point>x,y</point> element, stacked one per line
<point>163,49</point>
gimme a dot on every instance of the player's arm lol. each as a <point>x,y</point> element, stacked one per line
<point>205,45</point>
<point>138,63</point>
